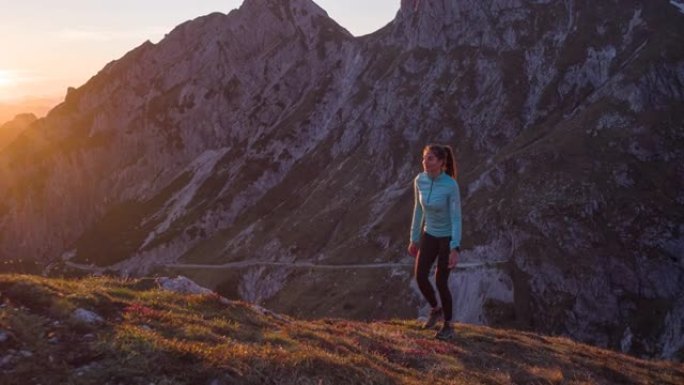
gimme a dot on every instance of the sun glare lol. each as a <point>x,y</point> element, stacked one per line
<point>6,78</point>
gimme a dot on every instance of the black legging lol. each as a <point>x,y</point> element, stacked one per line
<point>431,248</point>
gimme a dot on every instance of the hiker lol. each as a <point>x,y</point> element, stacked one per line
<point>436,231</point>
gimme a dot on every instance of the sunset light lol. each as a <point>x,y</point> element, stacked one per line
<point>72,41</point>
<point>6,78</point>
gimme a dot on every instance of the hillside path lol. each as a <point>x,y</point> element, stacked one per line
<point>309,265</point>
<point>293,265</point>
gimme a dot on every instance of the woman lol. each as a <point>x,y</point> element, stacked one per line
<point>436,231</point>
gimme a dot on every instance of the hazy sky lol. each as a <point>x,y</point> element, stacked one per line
<point>47,46</point>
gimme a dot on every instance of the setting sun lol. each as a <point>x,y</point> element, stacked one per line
<point>6,78</point>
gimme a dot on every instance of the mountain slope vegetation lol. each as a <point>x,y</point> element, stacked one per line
<point>99,330</point>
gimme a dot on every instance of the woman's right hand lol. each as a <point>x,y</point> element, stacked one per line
<point>413,249</point>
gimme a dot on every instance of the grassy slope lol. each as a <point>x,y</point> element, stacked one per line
<point>153,336</point>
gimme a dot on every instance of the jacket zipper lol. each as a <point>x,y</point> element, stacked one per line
<point>432,182</point>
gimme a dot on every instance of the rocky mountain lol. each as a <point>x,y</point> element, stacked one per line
<point>37,106</point>
<point>269,154</point>
<point>11,129</point>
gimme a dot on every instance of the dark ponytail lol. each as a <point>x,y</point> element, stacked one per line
<point>450,162</point>
<point>445,153</point>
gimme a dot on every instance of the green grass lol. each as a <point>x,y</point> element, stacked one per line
<point>154,336</point>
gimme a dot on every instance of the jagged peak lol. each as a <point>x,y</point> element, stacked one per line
<point>295,10</point>
<point>303,13</point>
<point>305,7</point>
<point>260,14</point>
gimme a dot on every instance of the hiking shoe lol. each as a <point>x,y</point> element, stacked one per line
<point>435,315</point>
<point>446,333</point>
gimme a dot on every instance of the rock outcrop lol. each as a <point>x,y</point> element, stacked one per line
<point>10,130</point>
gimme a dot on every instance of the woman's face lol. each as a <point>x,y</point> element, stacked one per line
<point>431,164</point>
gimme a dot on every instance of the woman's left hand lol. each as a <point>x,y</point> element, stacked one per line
<point>453,259</point>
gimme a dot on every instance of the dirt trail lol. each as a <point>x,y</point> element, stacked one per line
<point>293,265</point>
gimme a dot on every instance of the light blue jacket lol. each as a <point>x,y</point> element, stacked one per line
<point>437,208</point>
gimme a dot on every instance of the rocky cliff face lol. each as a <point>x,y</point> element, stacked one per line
<point>271,135</point>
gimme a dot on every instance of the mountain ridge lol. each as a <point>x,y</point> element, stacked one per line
<point>105,330</point>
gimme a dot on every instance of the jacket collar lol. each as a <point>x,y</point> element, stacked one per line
<point>439,176</point>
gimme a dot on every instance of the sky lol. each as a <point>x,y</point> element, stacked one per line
<point>47,46</point>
